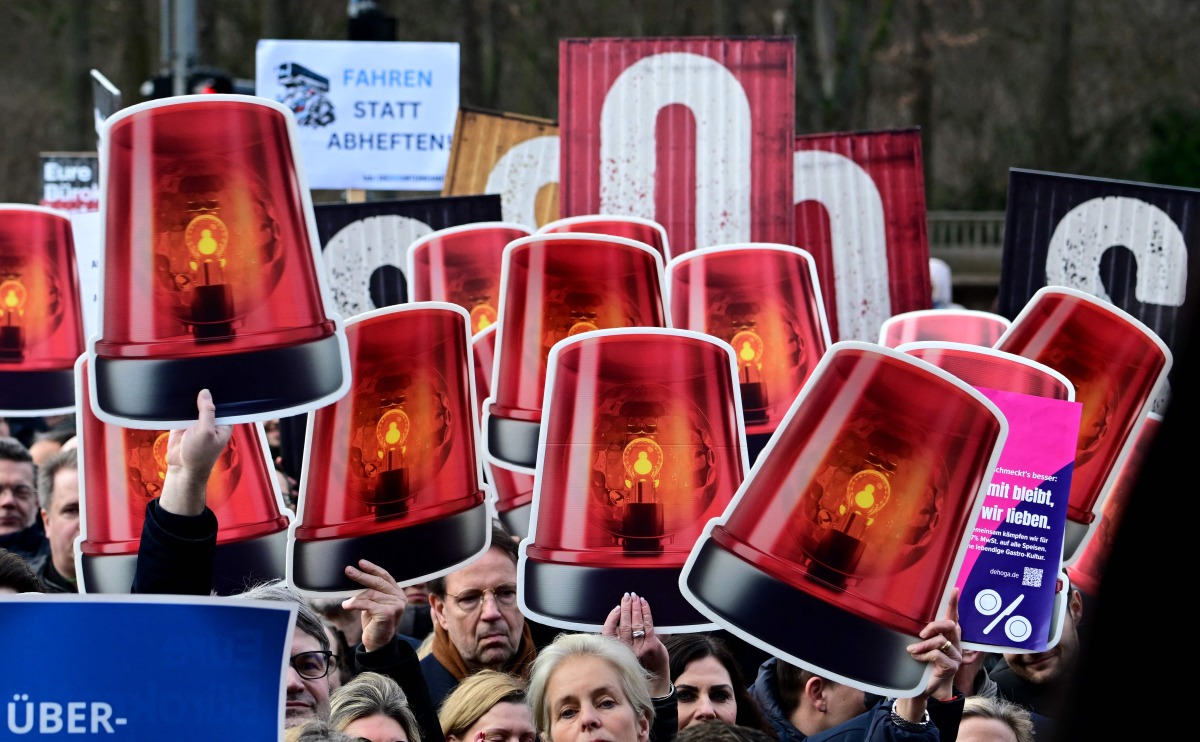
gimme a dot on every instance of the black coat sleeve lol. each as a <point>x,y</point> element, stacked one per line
<point>666,718</point>
<point>176,553</point>
<point>399,662</point>
<point>946,715</point>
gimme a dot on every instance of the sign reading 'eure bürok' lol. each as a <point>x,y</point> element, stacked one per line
<point>70,181</point>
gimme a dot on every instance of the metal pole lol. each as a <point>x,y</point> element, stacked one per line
<point>185,43</point>
<point>164,40</point>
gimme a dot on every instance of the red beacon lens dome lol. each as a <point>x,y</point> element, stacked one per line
<point>993,369</point>
<point>765,301</point>
<point>483,361</point>
<point>514,497</point>
<point>943,325</point>
<point>642,445</point>
<point>1087,573</point>
<point>210,272</point>
<point>646,231</point>
<point>853,518</point>
<point>391,473</point>
<point>461,265</point>
<point>122,469</point>
<point>557,286</point>
<point>1116,364</point>
<point>41,320</point>
<point>513,489</point>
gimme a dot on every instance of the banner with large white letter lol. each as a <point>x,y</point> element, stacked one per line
<point>374,115</point>
<point>696,133</point>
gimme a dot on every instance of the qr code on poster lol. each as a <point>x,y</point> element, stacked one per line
<point>1032,578</point>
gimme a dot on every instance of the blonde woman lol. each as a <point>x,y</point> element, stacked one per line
<point>487,706</point>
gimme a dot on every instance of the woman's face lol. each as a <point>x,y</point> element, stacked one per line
<point>504,722</point>
<point>705,693</point>
<point>376,728</point>
<point>588,704</point>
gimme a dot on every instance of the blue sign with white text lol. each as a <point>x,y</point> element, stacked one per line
<point>141,667</point>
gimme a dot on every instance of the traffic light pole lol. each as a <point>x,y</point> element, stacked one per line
<point>178,41</point>
<point>179,70</point>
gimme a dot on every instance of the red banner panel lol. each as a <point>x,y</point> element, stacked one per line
<point>694,133</point>
<point>860,212</point>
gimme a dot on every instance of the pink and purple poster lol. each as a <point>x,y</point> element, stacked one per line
<point>1009,575</point>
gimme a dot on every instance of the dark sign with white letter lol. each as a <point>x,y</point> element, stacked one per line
<point>1127,243</point>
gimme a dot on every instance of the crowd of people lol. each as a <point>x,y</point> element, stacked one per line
<point>455,659</point>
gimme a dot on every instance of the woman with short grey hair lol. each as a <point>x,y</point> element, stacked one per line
<point>589,681</point>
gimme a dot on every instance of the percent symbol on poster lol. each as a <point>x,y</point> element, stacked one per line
<point>988,602</point>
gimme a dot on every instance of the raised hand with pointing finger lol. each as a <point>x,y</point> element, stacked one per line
<point>191,454</point>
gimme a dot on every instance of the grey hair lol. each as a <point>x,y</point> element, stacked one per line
<point>635,681</point>
<point>307,620</point>
<point>318,731</point>
<point>68,459</point>
<point>370,693</point>
<point>1018,718</point>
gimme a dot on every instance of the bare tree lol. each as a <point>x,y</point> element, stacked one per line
<point>1047,84</point>
<point>1054,145</point>
<point>923,80</point>
<point>835,47</point>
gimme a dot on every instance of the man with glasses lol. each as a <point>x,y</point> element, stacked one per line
<point>476,621</point>
<point>21,531</point>
<point>311,660</point>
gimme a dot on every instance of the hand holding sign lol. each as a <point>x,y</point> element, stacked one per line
<point>382,603</point>
<point>941,647</point>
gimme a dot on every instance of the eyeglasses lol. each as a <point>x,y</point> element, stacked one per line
<point>313,665</point>
<point>470,601</point>
<point>19,491</point>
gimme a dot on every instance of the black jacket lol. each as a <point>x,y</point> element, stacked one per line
<point>29,543</point>
<point>52,579</point>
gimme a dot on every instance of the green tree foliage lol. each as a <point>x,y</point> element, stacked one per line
<point>1173,157</point>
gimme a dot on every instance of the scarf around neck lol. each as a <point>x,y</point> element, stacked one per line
<point>447,654</point>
